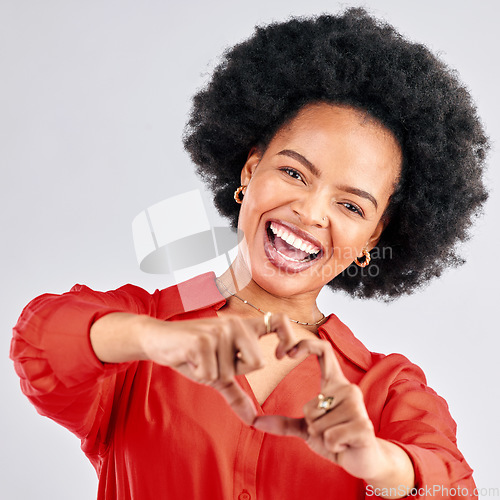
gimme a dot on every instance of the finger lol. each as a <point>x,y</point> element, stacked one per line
<point>279,324</point>
<point>346,399</point>
<point>202,360</point>
<point>282,426</point>
<point>238,400</point>
<point>332,376</point>
<point>353,434</point>
<point>249,354</point>
<point>226,352</point>
<point>348,410</point>
<point>318,446</point>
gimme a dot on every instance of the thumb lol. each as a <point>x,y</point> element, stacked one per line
<point>282,426</point>
<point>240,402</point>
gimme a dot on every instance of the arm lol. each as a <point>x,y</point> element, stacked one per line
<point>72,351</point>
<point>415,418</point>
<point>209,351</point>
<point>52,354</point>
<point>391,430</point>
<point>116,337</point>
<point>343,432</point>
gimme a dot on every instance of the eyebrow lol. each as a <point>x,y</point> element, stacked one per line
<point>348,189</point>
<point>301,159</point>
<point>361,193</point>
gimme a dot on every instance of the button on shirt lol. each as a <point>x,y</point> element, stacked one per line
<point>153,434</point>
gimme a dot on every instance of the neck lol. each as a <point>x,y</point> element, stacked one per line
<point>236,285</point>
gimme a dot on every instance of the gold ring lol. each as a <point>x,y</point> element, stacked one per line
<point>325,402</point>
<point>267,321</point>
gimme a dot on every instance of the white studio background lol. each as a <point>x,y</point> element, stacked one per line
<point>94,96</point>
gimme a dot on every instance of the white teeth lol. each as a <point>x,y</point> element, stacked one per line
<point>295,241</point>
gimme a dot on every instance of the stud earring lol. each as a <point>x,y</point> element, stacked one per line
<point>241,190</point>
<point>367,259</point>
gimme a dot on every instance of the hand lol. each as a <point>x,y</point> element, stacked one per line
<point>212,351</point>
<point>343,434</point>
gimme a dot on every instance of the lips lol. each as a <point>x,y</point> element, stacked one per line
<point>289,248</point>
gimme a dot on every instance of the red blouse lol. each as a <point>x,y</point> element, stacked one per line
<point>153,434</point>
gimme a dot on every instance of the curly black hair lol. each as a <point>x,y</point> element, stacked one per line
<point>353,59</point>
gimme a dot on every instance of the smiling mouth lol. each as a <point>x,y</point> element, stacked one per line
<point>290,246</point>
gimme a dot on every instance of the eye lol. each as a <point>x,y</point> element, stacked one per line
<point>353,208</point>
<point>292,173</point>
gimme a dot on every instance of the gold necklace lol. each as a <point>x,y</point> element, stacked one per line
<point>264,312</point>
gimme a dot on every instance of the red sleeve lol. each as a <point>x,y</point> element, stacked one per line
<point>52,355</point>
<point>418,420</point>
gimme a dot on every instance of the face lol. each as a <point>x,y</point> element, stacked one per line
<point>315,198</point>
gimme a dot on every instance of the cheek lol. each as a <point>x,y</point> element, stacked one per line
<point>248,219</point>
<point>348,240</point>
<point>259,198</point>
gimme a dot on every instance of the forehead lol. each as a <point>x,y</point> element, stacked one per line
<point>337,136</point>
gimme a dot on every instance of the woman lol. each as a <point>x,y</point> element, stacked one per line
<point>347,157</point>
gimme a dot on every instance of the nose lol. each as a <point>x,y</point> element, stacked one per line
<point>312,210</point>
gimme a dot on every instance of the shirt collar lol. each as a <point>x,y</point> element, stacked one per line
<point>201,292</point>
<point>344,340</point>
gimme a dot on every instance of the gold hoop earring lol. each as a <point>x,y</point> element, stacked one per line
<point>367,258</point>
<point>240,190</point>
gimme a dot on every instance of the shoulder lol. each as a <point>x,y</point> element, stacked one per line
<point>192,295</point>
<point>130,298</point>
<point>389,366</point>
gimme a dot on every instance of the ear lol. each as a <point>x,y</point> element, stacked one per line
<point>254,157</point>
